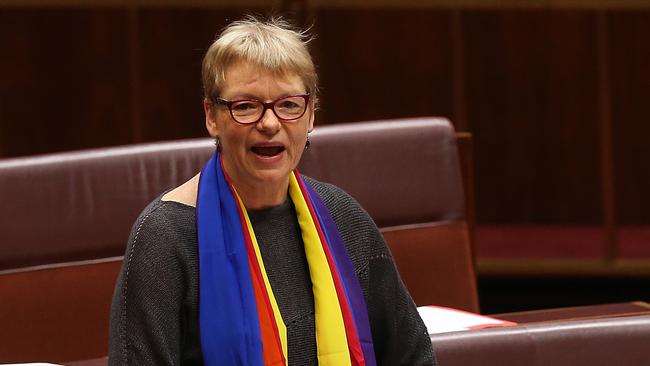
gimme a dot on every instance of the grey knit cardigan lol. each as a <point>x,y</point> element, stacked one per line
<point>154,315</point>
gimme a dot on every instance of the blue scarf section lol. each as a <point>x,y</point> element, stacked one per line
<point>229,325</point>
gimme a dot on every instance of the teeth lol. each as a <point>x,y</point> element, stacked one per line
<point>267,150</point>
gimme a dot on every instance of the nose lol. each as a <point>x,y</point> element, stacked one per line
<point>269,123</point>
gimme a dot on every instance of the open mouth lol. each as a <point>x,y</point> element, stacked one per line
<point>267,150</point>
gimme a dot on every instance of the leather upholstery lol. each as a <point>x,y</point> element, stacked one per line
<point>66,218</point>
<point>81,205</point>
<point>56,313</point>
<point>609,341</point>
<point>402,171</point>
<point>406,174</point>
<point>434,261</point>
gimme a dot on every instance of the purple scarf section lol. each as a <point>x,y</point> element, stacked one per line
<point>347,274</point>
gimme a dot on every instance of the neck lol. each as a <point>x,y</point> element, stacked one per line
<point>264,195</point>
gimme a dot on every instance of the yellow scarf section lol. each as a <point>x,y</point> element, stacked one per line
<point>331,339</point>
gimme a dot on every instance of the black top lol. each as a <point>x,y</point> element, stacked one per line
<point>154,315</point>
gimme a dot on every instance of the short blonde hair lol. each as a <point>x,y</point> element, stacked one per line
<point>272,45</point>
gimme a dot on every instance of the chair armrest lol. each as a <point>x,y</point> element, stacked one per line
<point>578,312</point>
<point>617,341</point>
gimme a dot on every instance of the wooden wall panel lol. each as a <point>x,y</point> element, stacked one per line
<point>528,78</point>
<point>630,62</point>
<point>532,97</point>
<point>173,42</point>
<point>379,63</point>
<point>63,80</point>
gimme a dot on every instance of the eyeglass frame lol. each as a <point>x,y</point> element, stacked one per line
<point>265,105</point>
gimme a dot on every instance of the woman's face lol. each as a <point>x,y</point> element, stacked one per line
<point>262,154</point>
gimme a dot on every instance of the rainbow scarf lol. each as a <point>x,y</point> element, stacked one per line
<point>240,323</point>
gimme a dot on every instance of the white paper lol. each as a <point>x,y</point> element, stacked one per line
<point>31,364</point>
<point>440,319</point>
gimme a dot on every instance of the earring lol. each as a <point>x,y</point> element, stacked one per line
<point>307,144</point>
<point>217,143</point>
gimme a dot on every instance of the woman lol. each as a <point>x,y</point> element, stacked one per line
<point>249,263</point>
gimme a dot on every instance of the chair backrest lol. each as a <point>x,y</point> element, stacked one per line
<point>406,174</point>
<point>63,227</point>
<point>81,205</point>
<point>65,220</point>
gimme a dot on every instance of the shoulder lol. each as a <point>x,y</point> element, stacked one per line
<point>186,193</point>
<point>338,201</point>
<point>164,218</point>
<point>357,229</point>
<point>161,252</point>
<point>165,231</point>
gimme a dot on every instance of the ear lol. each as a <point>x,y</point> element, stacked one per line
<point>210,118</point>
<point>311,119</point>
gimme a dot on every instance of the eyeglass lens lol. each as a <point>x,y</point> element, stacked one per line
<point>248,111</point>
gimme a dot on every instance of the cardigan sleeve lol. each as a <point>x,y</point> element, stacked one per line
<point>399,334</point>
<point>402,338</point>
<point>145,323</point>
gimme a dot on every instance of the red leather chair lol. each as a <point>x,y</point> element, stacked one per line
<point>406,174</point>
<point>64,221</point>
<point>66,217</point>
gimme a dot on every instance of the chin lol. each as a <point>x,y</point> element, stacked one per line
<point>273,175</point>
